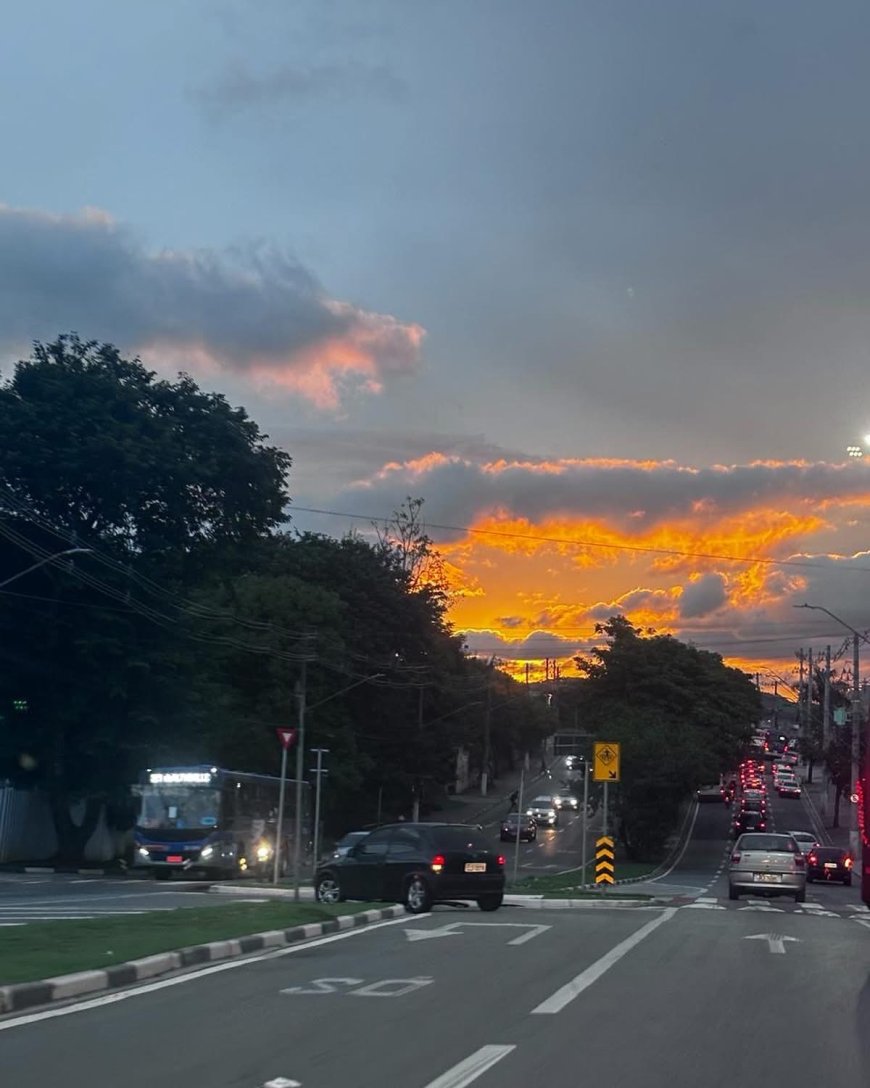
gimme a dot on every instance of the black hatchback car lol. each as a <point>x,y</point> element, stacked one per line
<point>829,863</point>
<point>515,823</point>
<point>417,865</point>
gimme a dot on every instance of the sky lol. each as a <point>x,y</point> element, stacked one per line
<point>590,278</point>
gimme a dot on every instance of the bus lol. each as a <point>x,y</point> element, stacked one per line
<point>212,821</point>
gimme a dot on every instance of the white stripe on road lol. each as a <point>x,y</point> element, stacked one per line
<point>585,979</point>
<point>472,1067</point>
<point>179,980</point>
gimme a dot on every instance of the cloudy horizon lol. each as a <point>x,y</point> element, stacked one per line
<point>589,279</point>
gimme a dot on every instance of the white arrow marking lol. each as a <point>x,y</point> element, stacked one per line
<point>452,930</point>
<point>282,1082</point>
<point>775,941</point>
<point>428,934</point>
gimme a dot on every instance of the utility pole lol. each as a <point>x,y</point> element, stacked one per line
<point>826,728</point>
<point>809,734</point>
<point>484,777</point>
<point>319,771</point>
<point>301,686</point>
<point>801,696</point>
<point>857,721</point>
<point>415,815</point>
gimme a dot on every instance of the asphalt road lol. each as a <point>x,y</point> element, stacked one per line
<point>26,897</point>
<point>701,991</point>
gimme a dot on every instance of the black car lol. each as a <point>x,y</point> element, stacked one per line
<point>747,820</point>
<point>829,863</point>
<point>417,865</point>
<point>527,827</point>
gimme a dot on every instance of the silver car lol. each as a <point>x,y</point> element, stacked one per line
<point>767,865</point>
<point>544,811</point>
<point>806,840</point>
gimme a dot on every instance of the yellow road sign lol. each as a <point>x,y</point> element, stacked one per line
<point>606,762</point>
<point>605,870</point>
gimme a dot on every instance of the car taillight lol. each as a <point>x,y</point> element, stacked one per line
<point>813,860</point>
<point>438,863</point>
<point>500,859</point>
<point>735,857</point>
<point>800,861</point>
<point>848,863</point>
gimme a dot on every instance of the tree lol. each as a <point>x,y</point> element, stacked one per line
<point>680,713</point>
<point>161,481</point>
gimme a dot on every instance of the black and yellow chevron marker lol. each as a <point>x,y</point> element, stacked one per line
<point>605,870</point>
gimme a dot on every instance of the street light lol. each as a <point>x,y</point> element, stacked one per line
<point>854,833</point>
<point>300,755</point>
<point>42,562</point>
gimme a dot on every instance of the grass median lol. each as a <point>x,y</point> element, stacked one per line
<point>45,949</point>
<point>570,885</point>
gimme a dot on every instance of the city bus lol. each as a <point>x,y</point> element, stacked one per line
<point>212,821</point>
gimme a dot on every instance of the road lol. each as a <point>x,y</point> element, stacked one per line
<point>697,991</point>
<point>555,849</point>
<point>51,897</point>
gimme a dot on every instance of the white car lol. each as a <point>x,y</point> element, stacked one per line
<point>787,786</point>
<point>544,811</point>
<point>806,840</point>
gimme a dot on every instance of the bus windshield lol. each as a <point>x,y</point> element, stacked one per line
<point>179,806</point>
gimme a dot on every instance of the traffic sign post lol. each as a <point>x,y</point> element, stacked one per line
<point>286,737</point>
<point>604,863</point>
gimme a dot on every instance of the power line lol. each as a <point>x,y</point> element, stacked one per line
<point>537,538</point>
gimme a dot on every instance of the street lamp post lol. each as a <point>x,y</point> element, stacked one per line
<point>42,563</point>
<point>854,833</point>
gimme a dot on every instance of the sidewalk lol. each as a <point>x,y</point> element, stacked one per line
<point>821,808</point>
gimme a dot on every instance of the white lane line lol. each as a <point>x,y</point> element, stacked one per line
<point>585,979</point>
<point>179,980</point>
<point>472,1067</point>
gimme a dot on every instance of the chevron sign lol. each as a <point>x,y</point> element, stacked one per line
<point>605,872</point>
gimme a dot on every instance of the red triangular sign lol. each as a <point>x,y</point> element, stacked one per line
<point>286,736</point>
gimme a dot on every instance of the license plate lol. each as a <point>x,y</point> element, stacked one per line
<point>768,878</point>
<point>174,859</point>
<point>830,865</point>
<point>475,866</point>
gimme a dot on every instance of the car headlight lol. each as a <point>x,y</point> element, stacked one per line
<point>143,853</point>
<point>264,851</point>
<point>552,814</point>
<point>207,852</point>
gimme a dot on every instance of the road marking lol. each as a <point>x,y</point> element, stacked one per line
<point>775,941</point>
<point>190,976</point>
<point>702,906</point>
<point>585,979</point>
<point>282,1082</point>
<point>761,909</point>
<point>705,899</point>
<point>472,1067</point>
<point>452,930</point>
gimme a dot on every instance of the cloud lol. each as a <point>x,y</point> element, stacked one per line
<point>702,595</point>
<point>253,311</point>
<point>237,88</point>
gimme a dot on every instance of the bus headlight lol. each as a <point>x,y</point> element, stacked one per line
<point>207,852</point>
<point>264,851</point>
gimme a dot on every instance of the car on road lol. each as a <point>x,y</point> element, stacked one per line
<point>347,841</point>
<point>566,799</point>
<point>787,786</point>
<point>709,792</point>
<point>767,864</point>
<point>748,821</point>
<point>417,865</point>
<point>543,810</point>
<point>829,863</point>
<point>528,829</point>
<point>806,840</point>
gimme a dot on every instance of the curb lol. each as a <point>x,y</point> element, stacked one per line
<point>28,995</point>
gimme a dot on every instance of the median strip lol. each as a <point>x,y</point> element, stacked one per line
<point>47,962</point>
